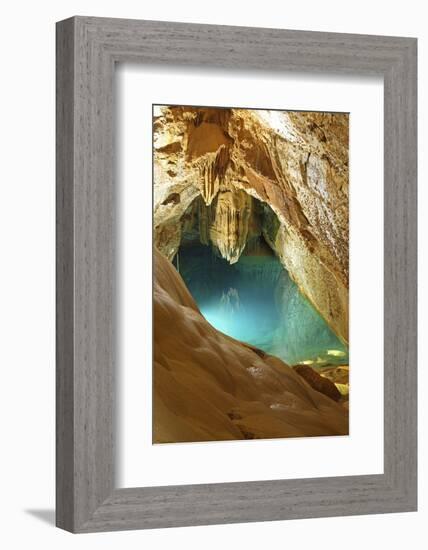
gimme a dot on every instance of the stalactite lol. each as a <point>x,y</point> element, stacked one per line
<point>204,221</point>
<point>229,230</point>
<point>212,171</point>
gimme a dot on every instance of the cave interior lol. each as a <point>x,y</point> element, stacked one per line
<point>251,273</point>
<point>245,291</point>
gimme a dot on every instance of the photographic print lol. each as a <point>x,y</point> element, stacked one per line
<point>250,274</point>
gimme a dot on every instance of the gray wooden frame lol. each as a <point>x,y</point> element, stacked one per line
<point>87,50</point>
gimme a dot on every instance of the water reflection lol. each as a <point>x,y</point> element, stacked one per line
<point>256,301</point>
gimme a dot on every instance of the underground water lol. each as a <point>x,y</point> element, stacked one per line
<point>256,301</point>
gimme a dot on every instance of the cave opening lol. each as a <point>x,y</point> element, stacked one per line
<point>250,296</point>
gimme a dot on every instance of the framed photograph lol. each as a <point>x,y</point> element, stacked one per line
<point>236,274</point>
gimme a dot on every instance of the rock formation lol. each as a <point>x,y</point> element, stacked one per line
<point>208,386</point>
<point>318,382</point>
<point>214,167</point>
